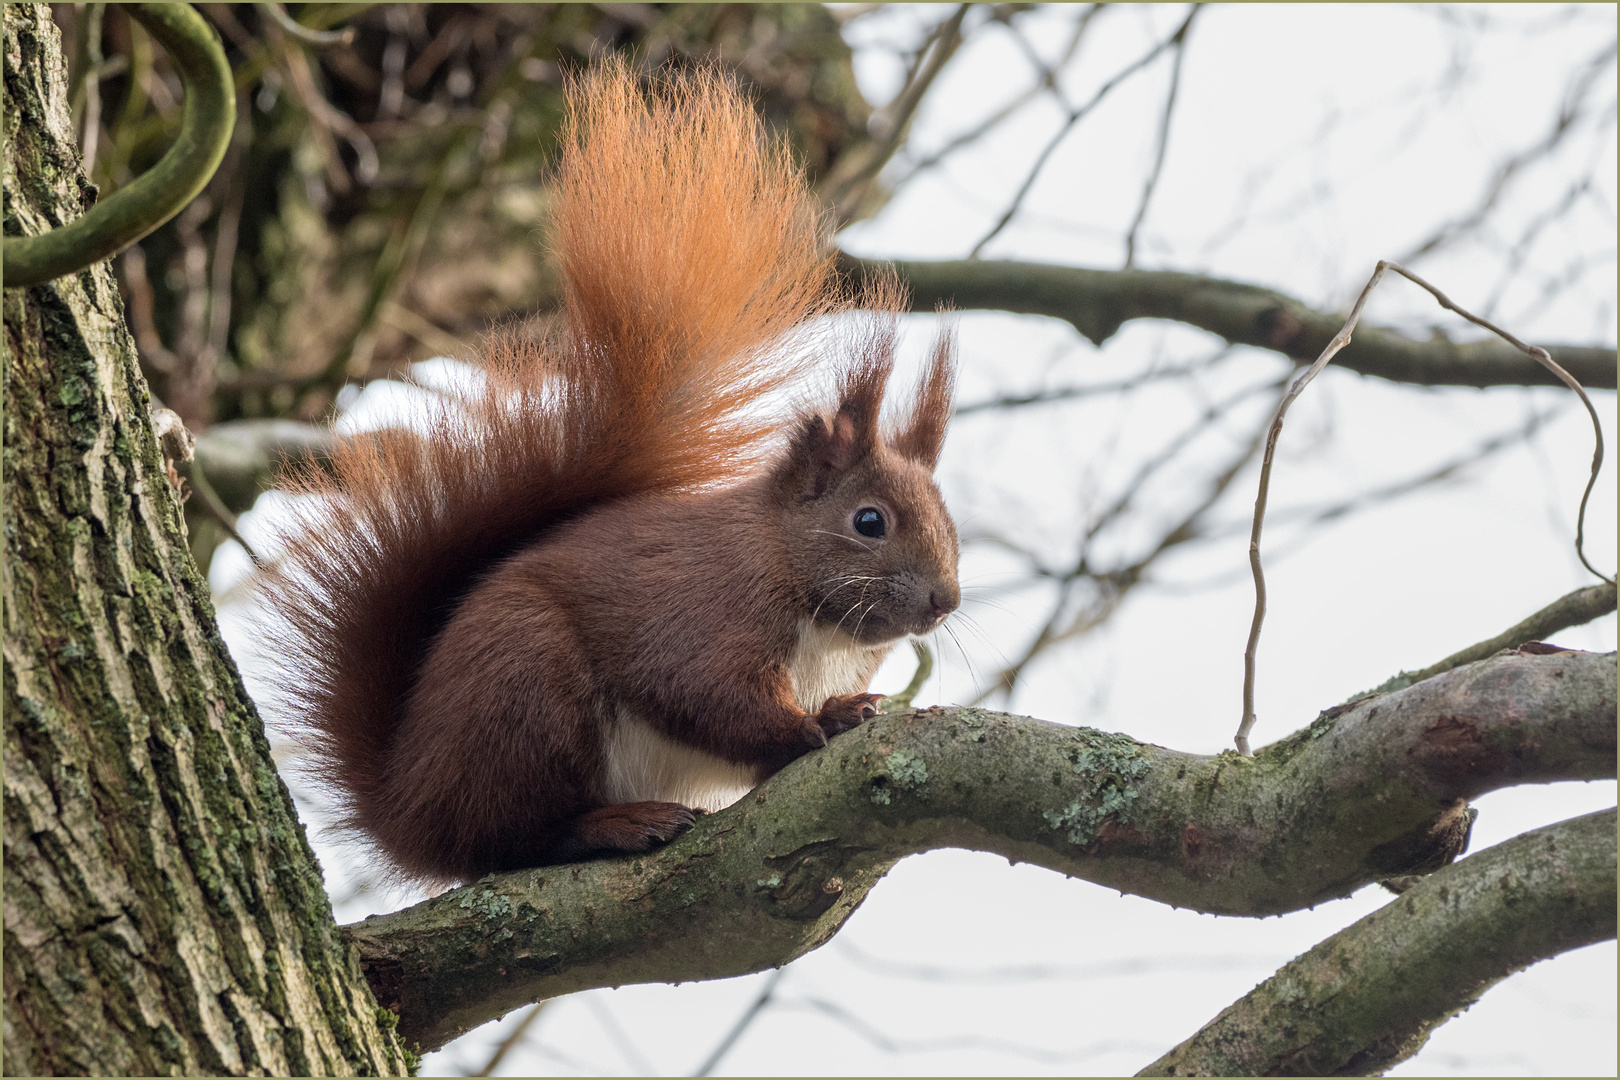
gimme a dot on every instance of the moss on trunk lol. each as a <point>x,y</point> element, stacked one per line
<point>163,911</point>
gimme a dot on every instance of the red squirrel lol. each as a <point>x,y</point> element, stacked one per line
<point>609,588</point>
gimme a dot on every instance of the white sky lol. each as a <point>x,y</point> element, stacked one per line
<point>1308,142</point>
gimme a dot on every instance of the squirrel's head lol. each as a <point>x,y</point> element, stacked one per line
<point>873,545</point>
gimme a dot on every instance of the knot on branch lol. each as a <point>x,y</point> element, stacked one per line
<point>1428,847</point>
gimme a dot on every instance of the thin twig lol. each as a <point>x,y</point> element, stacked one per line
<point>86,90</point>
<point>1340,340</point>
<point>1544,358</point>
<point>1310,516</point>
<point>1114,585</point>
<point>1118,386</point>
<point>215,508</point>
<point>226,231</point>
<point>1569,112</point>
<point>1164,141</point>
<point>1074,117</point>
<point>518,1034</point>
<point>1045,83</point>
<point>409,322</point>
<point>327,120</point>
<point>1574,609</point>
<point>153,351</point>
<point>303,33</point>
<point>302,79</point>
<point>743,1021</point>
<point>1004,974</point>
<point>859,1026</point>
<point>620,1038</point>
<point>845,192</point>
<point>403,244</point>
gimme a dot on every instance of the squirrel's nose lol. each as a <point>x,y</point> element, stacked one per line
<point>941,602</point>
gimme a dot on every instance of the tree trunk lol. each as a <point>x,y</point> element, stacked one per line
<point>163,911</point>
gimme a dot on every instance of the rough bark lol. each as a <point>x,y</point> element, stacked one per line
<point>1098,302</point>
<point>1369,996</point>
<point>1366,792</point>
<point>163,911</point>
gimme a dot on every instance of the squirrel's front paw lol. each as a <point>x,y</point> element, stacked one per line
<point>844,711</point>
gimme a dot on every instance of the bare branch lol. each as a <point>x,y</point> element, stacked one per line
<point>1098,302</point>
<point>1544,358</point>
<point>876,1038</point>
<point>240,456</point>
<point>1118,386</point>
<point>846,187</point>
<point>776,875</point>
<point>1568,114</point>
<point>1045,83</point>
<point>1116,583</point>
<point>1386,493</point>
<point>518,1034</point>
<point>1164,142</point>
<point>1368,997</point>
<point>1074,117</point>
<point>1575,609</point>
<point>300,32</point>
<point>216,509</point>
<point>925,668</point>
<point>1002,974</point>
<point>1340,340</point>
<point>743,1021</point>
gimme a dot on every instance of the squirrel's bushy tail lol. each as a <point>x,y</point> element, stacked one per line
<point>689,249</point>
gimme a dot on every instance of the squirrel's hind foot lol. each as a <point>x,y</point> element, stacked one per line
<point>625,827</point>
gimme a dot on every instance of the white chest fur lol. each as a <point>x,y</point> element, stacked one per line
<point>826,661</point>
<point>641,764</point>
<point>644,765</point>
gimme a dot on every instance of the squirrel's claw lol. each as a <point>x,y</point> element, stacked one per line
<point>844,711</point>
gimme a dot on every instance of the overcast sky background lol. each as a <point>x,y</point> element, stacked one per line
<point>1307,143</point>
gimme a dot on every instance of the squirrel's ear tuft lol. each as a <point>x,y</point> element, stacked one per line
<point>923,435</point>
<point>824,450</point>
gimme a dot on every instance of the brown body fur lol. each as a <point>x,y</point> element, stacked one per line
<point>597,579</point>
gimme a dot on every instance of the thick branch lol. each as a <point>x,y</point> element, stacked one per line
<point>1366,792</point>
<point>1368,997</point>
<point>1098,302</point>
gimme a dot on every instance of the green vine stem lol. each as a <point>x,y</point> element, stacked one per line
<point>163,190</point>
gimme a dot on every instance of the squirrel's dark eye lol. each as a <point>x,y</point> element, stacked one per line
<point>868,521</point>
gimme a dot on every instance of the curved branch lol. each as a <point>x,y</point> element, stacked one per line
<point>1573,609</point>
<point>1098,302</point>
<point>1368,791</point>
<point>163,190</point>
<point>299,32</point>
<point>1368,997</point>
